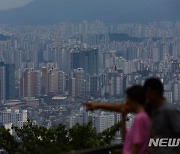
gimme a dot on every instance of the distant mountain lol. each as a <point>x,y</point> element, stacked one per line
<point>115,11</point>
<point>4,37</point>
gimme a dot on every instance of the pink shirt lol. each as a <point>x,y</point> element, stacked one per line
<point>139,133</point>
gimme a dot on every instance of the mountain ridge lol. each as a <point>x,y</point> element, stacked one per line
<point>114,11</point>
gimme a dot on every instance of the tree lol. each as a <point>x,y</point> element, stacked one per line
<point>36,139</point>
<point>108,135</point>
<point>7,141</point>
<point>83,137</point>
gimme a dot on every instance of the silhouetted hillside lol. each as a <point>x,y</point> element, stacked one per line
<point>3,37</point>
<point>124,37</point>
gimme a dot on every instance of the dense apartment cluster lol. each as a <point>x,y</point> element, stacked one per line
<point>51,70</point>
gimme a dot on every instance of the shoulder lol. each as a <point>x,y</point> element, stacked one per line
<point>169,108</point>
<point>142,120</point>
<point>142,116</point>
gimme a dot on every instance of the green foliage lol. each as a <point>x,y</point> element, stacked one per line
<point>34,139</point>
<point>83,137</point>
<point>38,139</point>
<point>7,141</point>
<point>108,135</point>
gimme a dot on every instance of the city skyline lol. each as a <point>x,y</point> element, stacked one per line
<point>55,55</point>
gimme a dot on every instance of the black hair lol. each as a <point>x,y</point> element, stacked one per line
<point>136,93</point>
<point>154,85</point>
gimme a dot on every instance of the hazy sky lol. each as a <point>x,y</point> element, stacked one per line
<point>7,4</point>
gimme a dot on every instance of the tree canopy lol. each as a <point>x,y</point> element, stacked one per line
<point>36,139</point>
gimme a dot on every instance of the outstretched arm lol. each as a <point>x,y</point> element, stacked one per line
<point>109,107</point>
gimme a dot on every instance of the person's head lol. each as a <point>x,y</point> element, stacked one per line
<point>154,90</point>
<point>135,97</point>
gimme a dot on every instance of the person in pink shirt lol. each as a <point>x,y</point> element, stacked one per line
<point>136,139</point>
